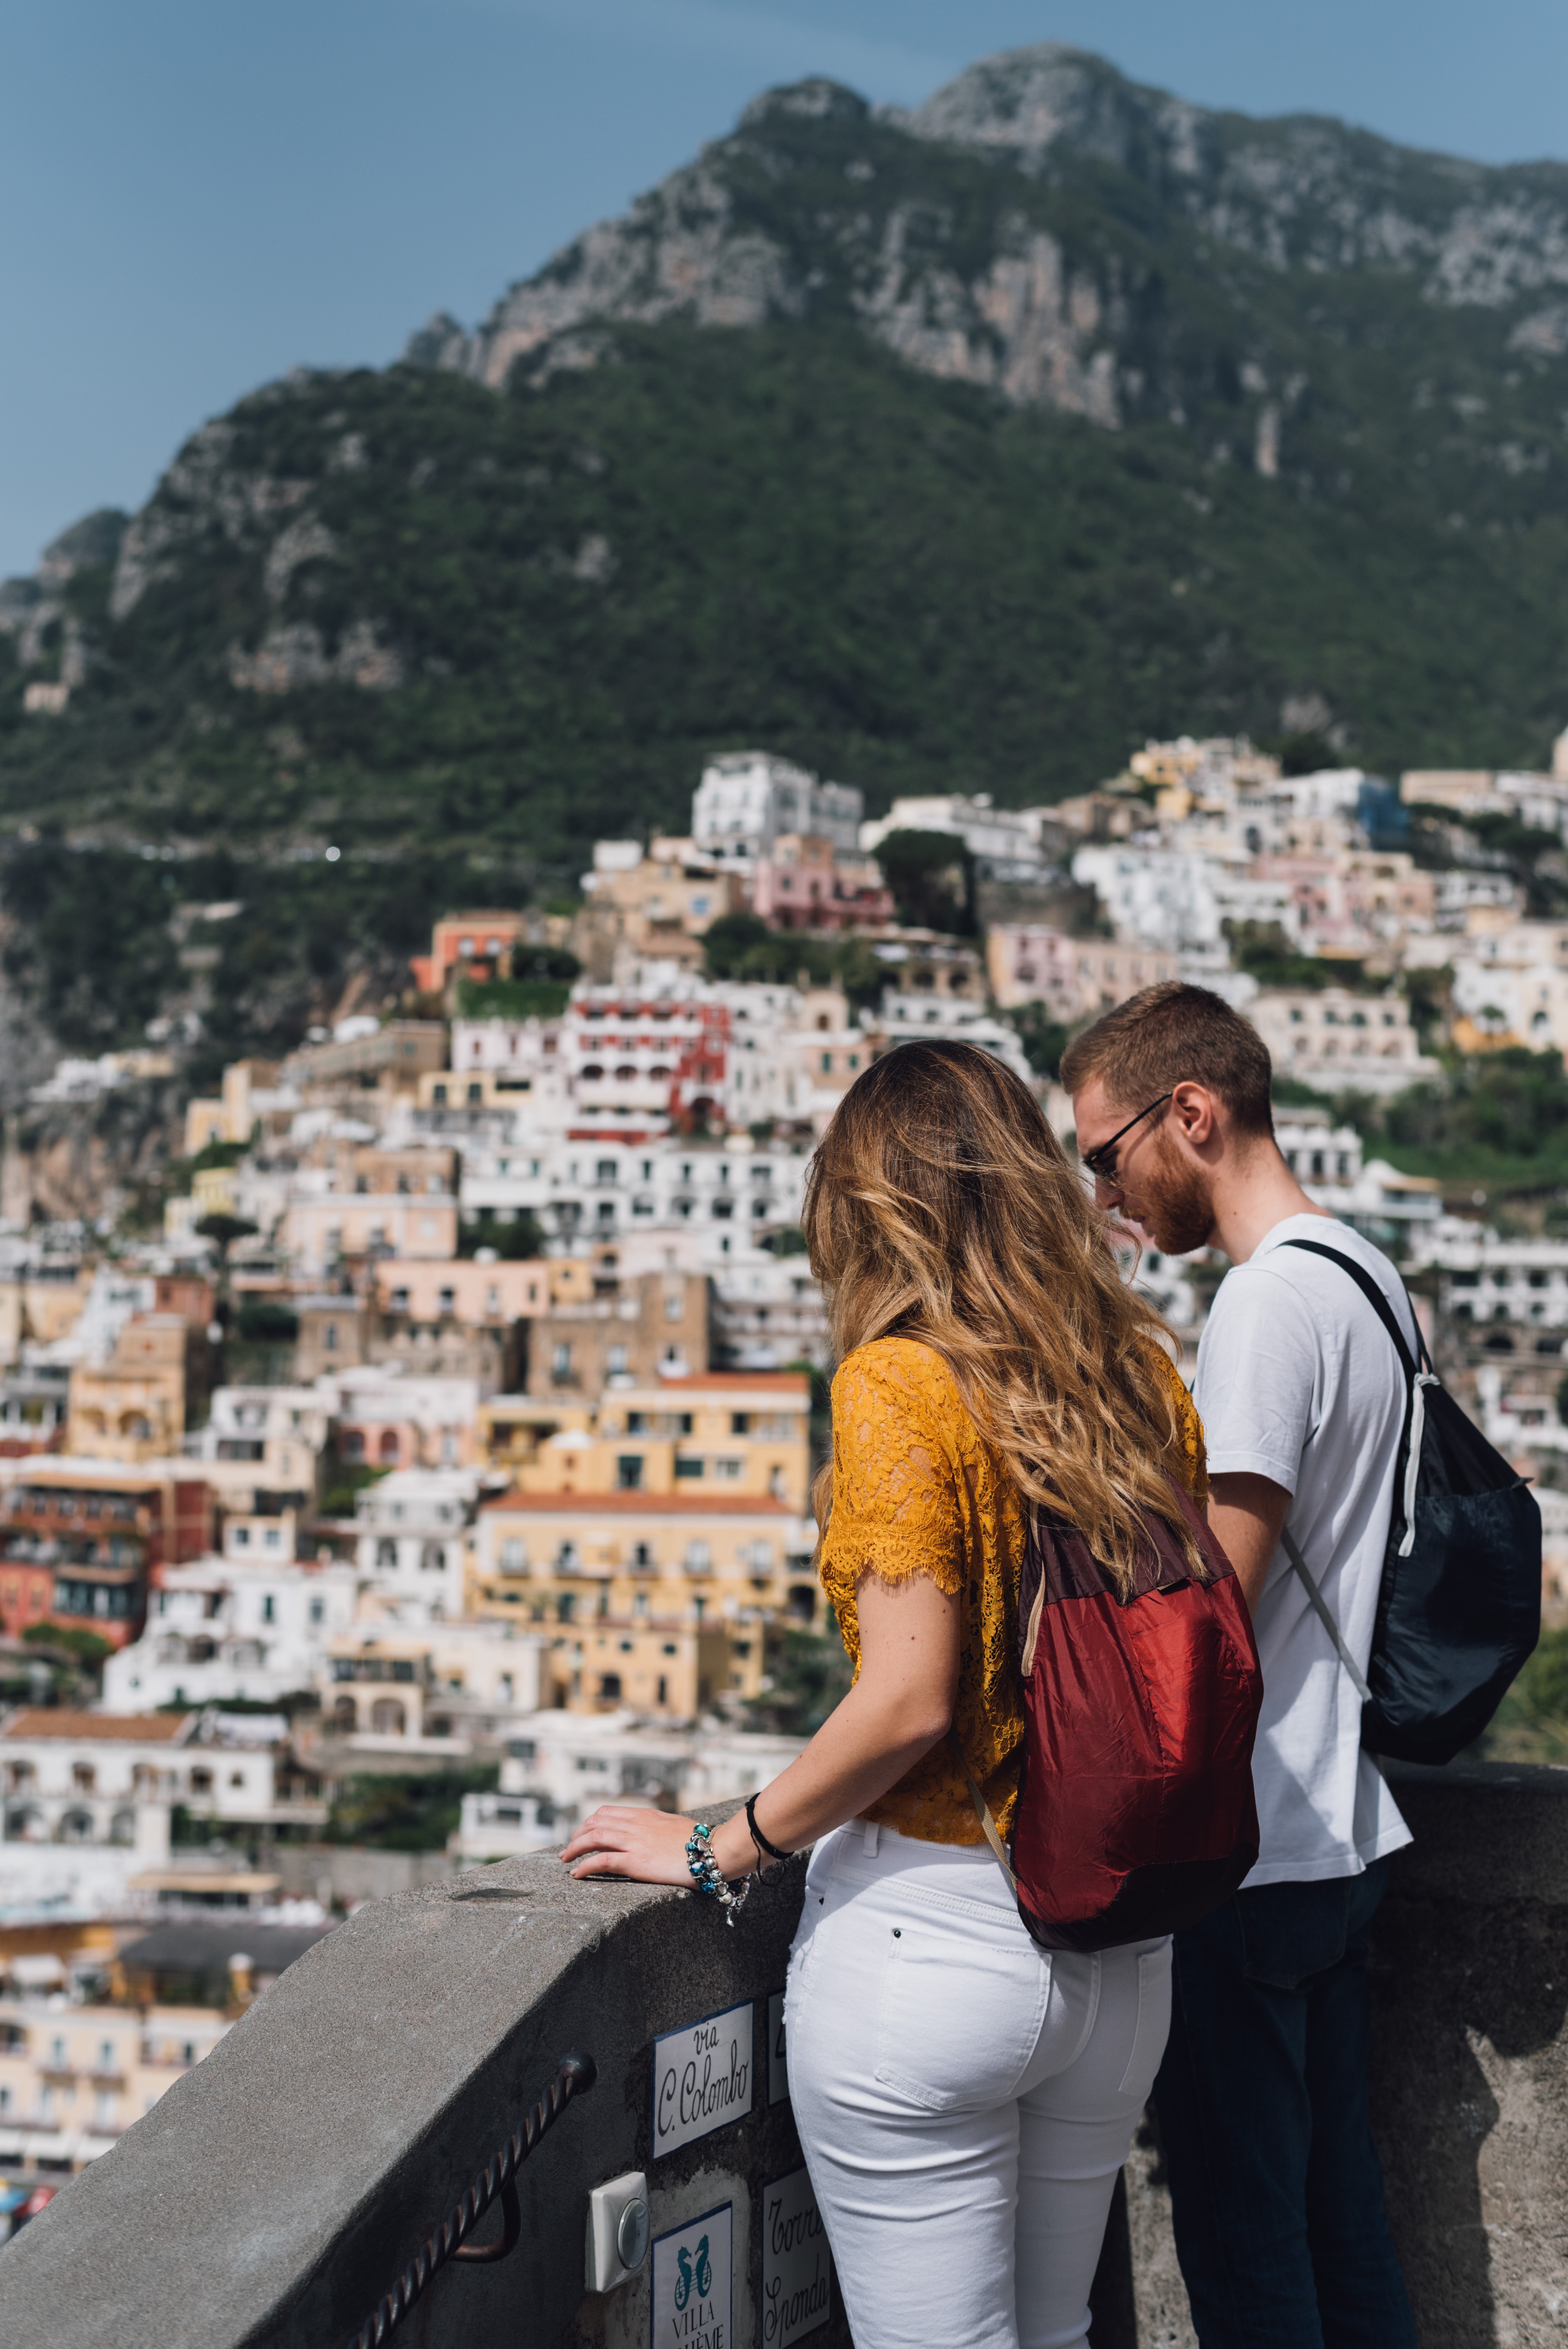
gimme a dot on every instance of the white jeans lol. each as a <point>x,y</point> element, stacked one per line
<point>964,2098</point>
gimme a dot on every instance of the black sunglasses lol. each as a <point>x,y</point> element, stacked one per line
<point>1101,1162</point>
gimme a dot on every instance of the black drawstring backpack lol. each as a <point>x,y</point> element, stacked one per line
<point>1459,1610</point>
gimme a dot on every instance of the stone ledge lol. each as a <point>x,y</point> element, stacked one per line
<point>271,2196</point>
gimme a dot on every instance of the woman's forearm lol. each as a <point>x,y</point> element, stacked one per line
<point>900,1705</point>
<point>865,1746</point>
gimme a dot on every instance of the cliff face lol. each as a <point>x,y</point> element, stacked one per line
<point>959,446</point>
<point>959,235</point>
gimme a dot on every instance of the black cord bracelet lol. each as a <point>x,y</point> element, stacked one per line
<point>758,1839</point>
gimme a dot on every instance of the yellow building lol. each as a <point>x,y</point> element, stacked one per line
<point>668,1572</point>
<point>740,1434</point>
<point>231,1118</point>
<point>616,1663</point>
<point>73,2077</point>
<point>135,1405</point>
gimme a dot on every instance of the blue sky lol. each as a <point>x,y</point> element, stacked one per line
<point>197,194</point>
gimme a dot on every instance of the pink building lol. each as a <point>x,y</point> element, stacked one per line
<point>799,887</point>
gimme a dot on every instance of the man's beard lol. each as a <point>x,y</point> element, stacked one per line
<point>1176,1209</point>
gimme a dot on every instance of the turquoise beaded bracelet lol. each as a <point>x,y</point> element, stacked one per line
<point>704,1873</point>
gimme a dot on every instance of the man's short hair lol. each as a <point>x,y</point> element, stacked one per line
<point>1170,1035</point>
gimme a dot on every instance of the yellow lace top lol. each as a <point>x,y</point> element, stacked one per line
<point>916,1490</point>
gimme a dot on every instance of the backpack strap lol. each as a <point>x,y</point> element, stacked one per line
<point>983,1813</point>
<point>1418,1375</point>
<point>1320,1604</point>
<point>1378,1301</point>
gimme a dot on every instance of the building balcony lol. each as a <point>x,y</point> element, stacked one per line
<point>367,2093</point>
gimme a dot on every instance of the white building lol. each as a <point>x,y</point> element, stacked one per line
<point>1169,899</point>
<point>521,1054</point>
<point>1003,842</point>
<point>597,1190</point>
<point>560,1765</point>
<point>747,798</point>
<point>112,1778</point>
<point>910,1019</point>
<point>427,1687</point>
<point>1512,1287</point>
<point>263,1440</point>
<point>224,1628</point>
<point>383,1413</point>
<point>411,1528</point>
<point>1511,982</point>
<point>1339,1041</point>
<point>767,1312</point>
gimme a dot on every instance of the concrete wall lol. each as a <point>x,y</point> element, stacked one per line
<point>1470,2079</point>
<point>273,2193</point>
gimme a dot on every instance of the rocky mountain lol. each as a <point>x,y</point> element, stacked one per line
<point>961,446</point>
<point>956,234</point>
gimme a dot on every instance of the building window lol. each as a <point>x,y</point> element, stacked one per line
<point>688,1467</point>
<point>629,1471</point>
<point>269,1608</point>
<point>560,1362</point>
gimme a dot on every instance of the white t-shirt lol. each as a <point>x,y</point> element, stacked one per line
<point>1297,1380</point>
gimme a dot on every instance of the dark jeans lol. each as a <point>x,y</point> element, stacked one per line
<point>1277,2187</point>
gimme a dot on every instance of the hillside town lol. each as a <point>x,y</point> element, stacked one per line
<point>459,1422</point>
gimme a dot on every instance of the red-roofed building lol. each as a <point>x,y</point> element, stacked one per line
<point>471,944</point>
<point>101,1530</point>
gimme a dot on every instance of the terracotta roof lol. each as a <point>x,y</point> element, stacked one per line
<point>647,1505</point>
<point>780,1382</point>
<point>127,1728</point>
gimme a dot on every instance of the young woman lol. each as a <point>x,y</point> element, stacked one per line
<point>964,2097</point>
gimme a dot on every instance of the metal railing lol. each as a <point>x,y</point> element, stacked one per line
<point>574,2076</point>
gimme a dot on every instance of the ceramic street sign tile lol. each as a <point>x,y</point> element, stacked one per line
<point>797,2269</point>
<point>702,2078</point>
<point>694,2283</point>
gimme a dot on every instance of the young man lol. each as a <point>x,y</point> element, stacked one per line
<point>1275,2185</point>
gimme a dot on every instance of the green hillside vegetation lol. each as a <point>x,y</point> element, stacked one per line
<point>1333,513</point>
<point>899,581</point>
<point>89,937</point>
<point>1498,1120</point>
<point>1531,1722</point>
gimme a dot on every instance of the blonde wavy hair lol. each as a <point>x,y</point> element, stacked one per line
<point>941,1207</point>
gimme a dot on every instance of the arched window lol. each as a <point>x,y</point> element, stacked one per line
<point>387,1718</point>
<point>388,1446</point>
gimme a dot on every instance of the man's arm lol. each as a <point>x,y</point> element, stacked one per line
<point>1246,1514</point>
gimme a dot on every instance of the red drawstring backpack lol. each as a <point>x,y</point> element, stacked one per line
<point>1135,1812</point>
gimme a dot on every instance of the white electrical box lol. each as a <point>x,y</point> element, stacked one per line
<point>618,2231</point>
